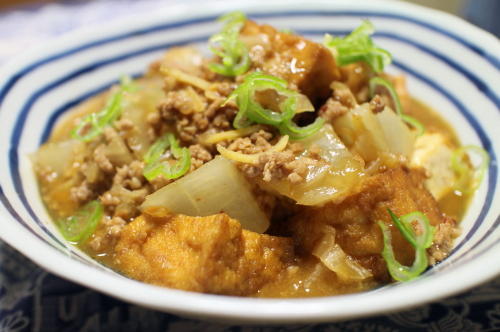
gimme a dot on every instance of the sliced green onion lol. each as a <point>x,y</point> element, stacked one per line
<point>359,46</point>
<point>154,167</point>
<point>420,240</point>
<point>377,82</point>
<point>157,149</point>
<point>295,132</point>
<point>110,113</point>
<point>288,31</point>
<point>227,45</point>
<point>82,224</point>
<point>465,182</point>
<point>250,111</point>
<point>419,127</point>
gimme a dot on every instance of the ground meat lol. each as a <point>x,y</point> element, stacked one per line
<point>128,190</point>
<point>341,101</point>
<point>331,110</point>
<point>199,156</point>
<point>377,104</point>
<point>280,165</point>
<point>101,159</point>
<point>124,125</point>
<point>273,165</point>
<point>255,143</point>
<point>130,176</point>
<point>107,234</point>
<point>153,118</point>
<point>190,126</point>
<point>82,192</point>
<point>444,236</point>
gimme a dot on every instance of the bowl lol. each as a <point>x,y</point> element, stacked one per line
<point>451,65</point>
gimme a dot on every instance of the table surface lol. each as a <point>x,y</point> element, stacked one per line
<point>32,299</point>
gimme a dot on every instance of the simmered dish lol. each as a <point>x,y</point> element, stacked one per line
<point>275,167</point>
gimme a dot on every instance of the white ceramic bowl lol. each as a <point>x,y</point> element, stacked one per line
<point>449,64</point>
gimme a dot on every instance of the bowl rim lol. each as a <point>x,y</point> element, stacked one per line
<point>251,309</point>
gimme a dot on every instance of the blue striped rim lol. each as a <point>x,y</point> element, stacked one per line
<point>6,203</point>
<point>474,79</point>
<point>160,27</point>
<point>14,162</point>
<point>485,141</point>
<point>72,103</point>
<point>39,93</point>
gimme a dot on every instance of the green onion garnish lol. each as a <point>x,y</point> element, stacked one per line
<point>465,182</point>
<point>82,224</point>
<point>420,240</point>
<point>251,111</point>
<point>288,31</point>
<point>227,45</point>
<point>359,46</point>
<point>93,124</point>
<point>377,82</point>
<point>295,132</point>
<point>154,167</point>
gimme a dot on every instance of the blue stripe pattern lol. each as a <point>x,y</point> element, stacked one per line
<point>162,27</point>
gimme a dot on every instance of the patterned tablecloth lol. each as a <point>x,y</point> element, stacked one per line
<point>32,299</point>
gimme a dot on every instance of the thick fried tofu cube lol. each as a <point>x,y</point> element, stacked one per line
<point>305,64</point>
<point>203,254</point>
<point>355,219</point>
<point>433,153</point>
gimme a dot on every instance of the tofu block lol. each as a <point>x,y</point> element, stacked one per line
<point>433,154</point>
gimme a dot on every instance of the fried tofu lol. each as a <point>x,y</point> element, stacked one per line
<point>355,219</point>
<point>203,254</point>
<point>433,153</point>
<point>307,65</point>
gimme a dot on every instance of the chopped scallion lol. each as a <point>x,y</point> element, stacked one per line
<point>467,183</point>
<point>295,132</point>
<point>379,82</point>
<point>359,46</point>
<point>227,45</point>
<point>81,225</point>
<point>93,124</point>
<point>421,239</point>
<point>155,167</point>
<point>251,111</point>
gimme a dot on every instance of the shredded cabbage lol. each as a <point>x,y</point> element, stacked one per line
<point>336,260</point>
<point>337,175</point>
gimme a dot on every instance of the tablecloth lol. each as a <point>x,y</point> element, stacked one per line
<point>32,299</point>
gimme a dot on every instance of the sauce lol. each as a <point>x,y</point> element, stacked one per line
<point>307,277</point>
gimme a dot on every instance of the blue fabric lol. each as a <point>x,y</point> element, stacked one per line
<point>485,14</point>
<point>33,300</point>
